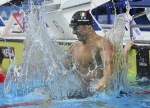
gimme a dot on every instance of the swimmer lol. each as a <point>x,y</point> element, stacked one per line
<point>127,48</point>
<point>92,55</point>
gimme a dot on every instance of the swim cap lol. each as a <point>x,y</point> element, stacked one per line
<point>81,18</point>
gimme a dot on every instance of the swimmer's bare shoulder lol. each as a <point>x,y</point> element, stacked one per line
<point>73,45</point>
<point>100,41</point>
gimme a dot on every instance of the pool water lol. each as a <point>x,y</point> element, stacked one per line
<point>137,100</point>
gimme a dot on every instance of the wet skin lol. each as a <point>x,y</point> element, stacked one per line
<point>89,53</point>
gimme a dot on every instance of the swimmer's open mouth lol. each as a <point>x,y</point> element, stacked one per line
<point>78,35</point>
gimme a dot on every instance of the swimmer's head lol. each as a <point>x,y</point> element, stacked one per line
<point>81,18</point>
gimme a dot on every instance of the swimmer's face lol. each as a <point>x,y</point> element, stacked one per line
<point>80,31</point>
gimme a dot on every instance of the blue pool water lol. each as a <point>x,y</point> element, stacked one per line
<point>99,101</point>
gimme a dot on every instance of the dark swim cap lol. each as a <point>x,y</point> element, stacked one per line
<point>81,18</point>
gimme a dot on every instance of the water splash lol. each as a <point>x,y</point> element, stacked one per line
<point>41,63</point>
<point>115,35</point>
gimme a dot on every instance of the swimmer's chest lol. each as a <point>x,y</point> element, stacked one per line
<point>85,55</point>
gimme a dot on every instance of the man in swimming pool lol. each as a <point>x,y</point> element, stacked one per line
<point>91,54</point>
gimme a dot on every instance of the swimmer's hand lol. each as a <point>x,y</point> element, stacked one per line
<point>100,86</point>
<point>128,46</point>
<point>97,85</point>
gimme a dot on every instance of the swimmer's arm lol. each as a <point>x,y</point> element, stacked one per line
<point>67,61</point>
<point>127,48</point>
<point>106,55</point>
<point>3,71</point>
